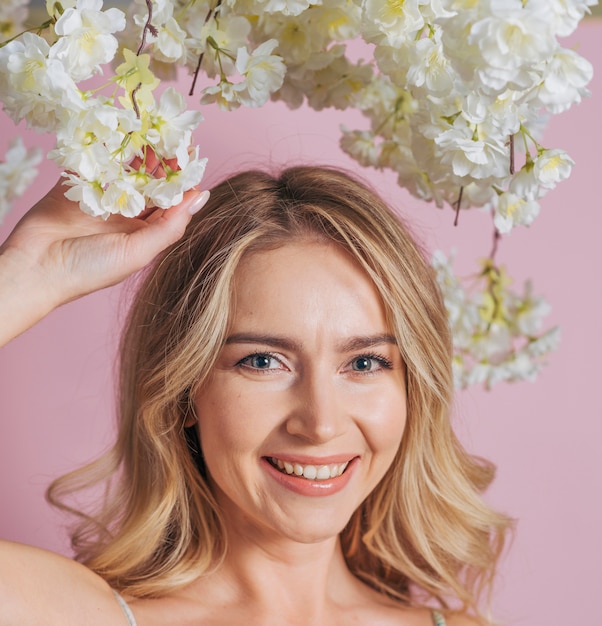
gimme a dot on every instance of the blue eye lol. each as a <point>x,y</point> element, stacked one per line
<point>370,363</point>
<point>362,364</point>
<point>260,361</point>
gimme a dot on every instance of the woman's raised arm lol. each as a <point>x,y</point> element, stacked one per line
<point>56,254</point>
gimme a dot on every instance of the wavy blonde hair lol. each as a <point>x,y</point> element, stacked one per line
<point>424,533</point>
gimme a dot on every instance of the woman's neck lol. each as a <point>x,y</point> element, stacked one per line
<point>283,578</point>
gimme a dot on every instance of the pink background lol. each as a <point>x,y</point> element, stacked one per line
<point>56,379</point>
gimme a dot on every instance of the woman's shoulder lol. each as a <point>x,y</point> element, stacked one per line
<point>38,586</point>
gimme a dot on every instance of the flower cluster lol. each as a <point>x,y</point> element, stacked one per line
<point>99,135</point>
<point>452,91</point>
<point>461,91</point>
<point>17,172</point>
<point>455,93</point>
<point>497,333</point>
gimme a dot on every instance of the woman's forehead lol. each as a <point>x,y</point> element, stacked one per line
<point>306,288</point>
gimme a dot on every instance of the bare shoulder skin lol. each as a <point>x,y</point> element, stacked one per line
<point>40,587</point>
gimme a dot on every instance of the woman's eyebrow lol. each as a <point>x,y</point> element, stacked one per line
<point>347,345</point>
<point>366,341</point>
<point>269,340</point>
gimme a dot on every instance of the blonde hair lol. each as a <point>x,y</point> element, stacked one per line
<point>424,533</point>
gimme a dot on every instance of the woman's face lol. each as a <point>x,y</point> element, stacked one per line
<point>306,407</point>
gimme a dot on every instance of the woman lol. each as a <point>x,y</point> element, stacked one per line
<point>284,452</point>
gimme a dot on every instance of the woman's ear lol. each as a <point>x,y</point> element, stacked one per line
<point>190,419</point>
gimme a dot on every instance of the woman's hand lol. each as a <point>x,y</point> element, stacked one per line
<point>56,254</point>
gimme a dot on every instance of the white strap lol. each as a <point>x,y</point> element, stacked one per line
<point>438,619</point>
<point>126,609</point>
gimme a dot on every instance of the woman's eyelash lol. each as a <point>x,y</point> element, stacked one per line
<point>382,360</point>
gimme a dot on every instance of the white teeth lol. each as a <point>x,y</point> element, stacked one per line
<point>311,472</point>
<point>324,472</point>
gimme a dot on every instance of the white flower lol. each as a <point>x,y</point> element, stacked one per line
<point>530,311</point>
<point>511,211</point>
<point>394,62</point>
<point>298,37</point>
<point>338,20</point>
<point>470,156</point>
<point>434,10</point>
<point>17,172</point>
<point>503,116</point>
<point>172,126</point>
<point>86,38</point>
<point>476,107</point>
<point>361,146</point>
<point>552,166</point>
<point>286,7</point>
<point>565,77</point>
<point>34,87</point>
<point>391,22</point>
<point>168,191</point>
<point>525,185</point>
<point>121,196</point>
<point>96,143</point>
<point>512,36</point>
<point>328,80</point>
<point>170,43</point>
<point>90,161</point>
<point>430,68</point>
<point>547,342</point>
<point>226,95</point>
<point>495,331</point>
<point>21,63</point>
<point>87,194</point>
<point>88,141</point>
<point>567,14</point>
<point>229,34</point>
<point>13,14</point>
<point>264,72</point>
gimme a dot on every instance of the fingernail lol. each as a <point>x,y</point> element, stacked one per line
<point>199,203</point>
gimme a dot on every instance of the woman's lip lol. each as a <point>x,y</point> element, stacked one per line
<point>308,487</point>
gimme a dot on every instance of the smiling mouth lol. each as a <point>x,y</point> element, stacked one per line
<point>309,472</point>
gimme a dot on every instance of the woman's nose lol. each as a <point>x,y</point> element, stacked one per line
<point>317,414</point>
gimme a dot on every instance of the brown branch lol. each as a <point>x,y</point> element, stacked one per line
<point>135,102</point>
<point>196,74</point>
<point>496,240</point>
<point>458,204</point>
<point>148,27</point>
<point>511,155</point>
<point>197,70</point>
